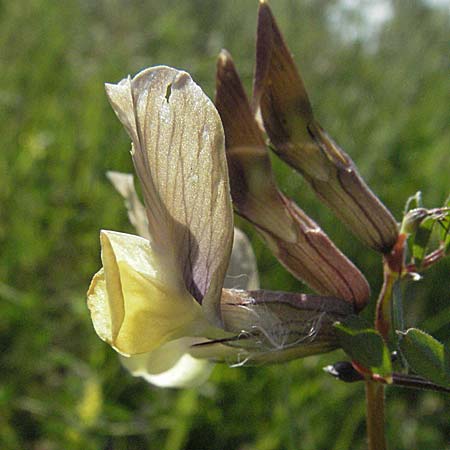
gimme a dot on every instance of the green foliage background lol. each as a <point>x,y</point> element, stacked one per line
<point>385,100</point>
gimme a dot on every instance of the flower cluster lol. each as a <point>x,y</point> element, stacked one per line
<point>184,294</point>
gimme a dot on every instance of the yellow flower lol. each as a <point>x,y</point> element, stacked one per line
<point>137,302</point>
<point>170,364</point>
<point>154,297</point>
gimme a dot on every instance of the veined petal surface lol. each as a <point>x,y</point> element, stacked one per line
<point>179,157</point>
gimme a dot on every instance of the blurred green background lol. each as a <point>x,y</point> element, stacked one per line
<point>379,87</point>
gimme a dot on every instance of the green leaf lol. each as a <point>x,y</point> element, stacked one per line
<point>445,233</point>
<point>445,227</point>
<point>421,239</point>
<point>426,356</point>
<point>447,202</point>
<point>364,345</point>
<point>398,322</point>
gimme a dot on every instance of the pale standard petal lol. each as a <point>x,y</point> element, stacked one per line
<point>137,303</point>
<point>179,156</point>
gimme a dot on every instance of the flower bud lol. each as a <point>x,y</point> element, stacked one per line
<point>281,97</point>
<point>295,239</point>
<point>412,219</point>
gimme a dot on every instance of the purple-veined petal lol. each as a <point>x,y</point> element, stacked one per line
<point>178,153</point>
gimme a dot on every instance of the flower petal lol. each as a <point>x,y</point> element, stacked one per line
<point>170,365</point>
<point>136,302</point>
<point>124,184</point>
<point>179,156</point>
<point>242,272</point>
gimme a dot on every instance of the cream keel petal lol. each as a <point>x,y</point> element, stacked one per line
<point>170,365</point>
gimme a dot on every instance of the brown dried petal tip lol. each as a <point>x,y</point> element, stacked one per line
<point>280,95</point>
<point>296,240</point>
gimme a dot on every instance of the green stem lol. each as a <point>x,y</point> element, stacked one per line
<point>383,317</point>
<point>393,266</point>
<point>375,415</point>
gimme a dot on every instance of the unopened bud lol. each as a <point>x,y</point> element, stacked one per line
<point>280,94</point>
<point>295,239</point>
